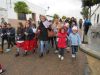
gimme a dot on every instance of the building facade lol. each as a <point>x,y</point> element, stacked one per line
<point>95,14</point>
<point>7,10</point>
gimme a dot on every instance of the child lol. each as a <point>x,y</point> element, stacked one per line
<point>75,41</point>
<point>1,70</point>
<point>20,38</point>
<point>62,42</point>
<point>29,35</point>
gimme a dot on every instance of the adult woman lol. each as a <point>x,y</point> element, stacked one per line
<point>56,26</point>
<point>80,23</point>
<point>43,35</point>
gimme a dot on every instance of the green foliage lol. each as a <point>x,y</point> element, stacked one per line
<point>21,7</point>
<point>56,16</point>
<point>85,12</point>
<point>64,17</point>
<point>89,3</point>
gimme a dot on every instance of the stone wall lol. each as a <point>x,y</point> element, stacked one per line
<point>94,37</point>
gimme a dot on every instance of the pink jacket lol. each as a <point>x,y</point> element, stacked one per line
<point>62,38</point>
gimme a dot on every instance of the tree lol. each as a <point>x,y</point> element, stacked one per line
<point>85,12</point>
<point>89,4</point>
<point>21,7</point>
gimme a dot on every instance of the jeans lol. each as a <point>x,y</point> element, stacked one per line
<point>74,49</point>
<point>61,51</point>
<point>43,46</point>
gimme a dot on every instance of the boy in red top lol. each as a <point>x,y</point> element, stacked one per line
<point>62,38</point>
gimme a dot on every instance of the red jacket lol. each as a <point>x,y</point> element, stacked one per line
<point>62,38</point>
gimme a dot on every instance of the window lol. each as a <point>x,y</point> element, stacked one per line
<point>98,18</point>
<point>21,16</point>
<point>34,16</point>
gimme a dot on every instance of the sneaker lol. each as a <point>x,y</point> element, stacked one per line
<point>17,54</point>
<point>25,54</point>
<point>47,52</point>
<point>41,55</point>
<point>59,56</point>
<point>73,56</point>
<point>8,50</point>
<point>2,71</point>
<point>62,58</point>
<point>56,51</point>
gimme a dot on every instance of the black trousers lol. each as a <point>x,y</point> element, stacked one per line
<point>61,51</point>
<point>4,39</point>
<point>86,28</point>
<point>55,41</point>
<point>11,42</point>
<point>51,41</point>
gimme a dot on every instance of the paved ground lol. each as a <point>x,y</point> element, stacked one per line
<point>48,65</point>
<point>94,65</point>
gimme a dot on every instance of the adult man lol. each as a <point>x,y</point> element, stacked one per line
<point>87,24</point>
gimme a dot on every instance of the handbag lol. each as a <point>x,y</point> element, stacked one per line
<point>51,33</point>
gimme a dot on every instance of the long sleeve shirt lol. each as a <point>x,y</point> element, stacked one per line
<point>74,39</point>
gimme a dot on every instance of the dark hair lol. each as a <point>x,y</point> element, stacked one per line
<point>34,25</point>
<point>9,24</point>
<point>5,23</point>
<point>21,24</point>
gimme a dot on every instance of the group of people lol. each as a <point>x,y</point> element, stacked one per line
<point>58,34</point>
<point>7,32</point>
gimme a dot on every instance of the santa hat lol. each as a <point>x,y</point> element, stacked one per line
<point>74,28</point>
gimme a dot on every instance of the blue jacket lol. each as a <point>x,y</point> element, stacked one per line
<point>74,39</point>
<point>87,22</point>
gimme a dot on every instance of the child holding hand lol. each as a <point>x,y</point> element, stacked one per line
<point>62,38</point>
<point>75,41</point>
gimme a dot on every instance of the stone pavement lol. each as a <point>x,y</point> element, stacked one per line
<point>85,48</point>
<point>48,65</point>
<point>94,65</point>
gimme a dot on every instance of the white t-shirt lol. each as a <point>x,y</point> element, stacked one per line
<point>34,30</point>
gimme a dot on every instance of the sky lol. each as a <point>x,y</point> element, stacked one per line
<point>67,8</point>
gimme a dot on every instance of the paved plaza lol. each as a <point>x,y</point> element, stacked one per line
<point>48,65</point>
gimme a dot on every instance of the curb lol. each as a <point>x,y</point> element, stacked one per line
<point>89,51</point>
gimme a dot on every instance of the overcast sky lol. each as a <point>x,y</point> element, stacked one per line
<point>62,7</point>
